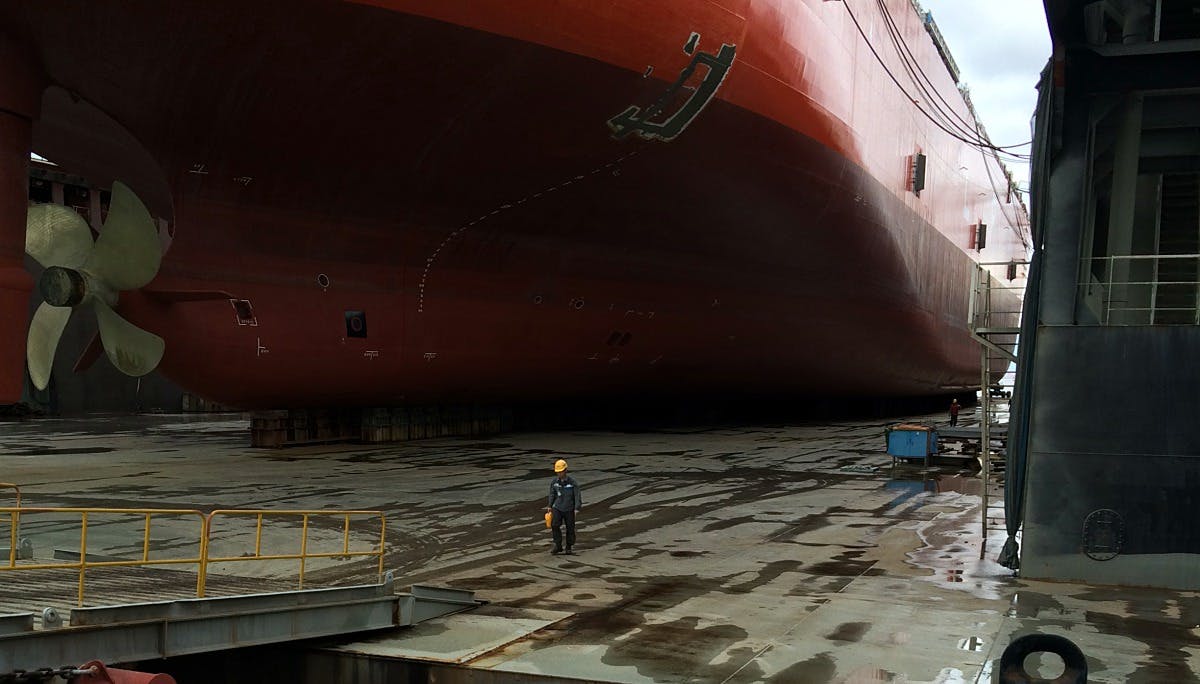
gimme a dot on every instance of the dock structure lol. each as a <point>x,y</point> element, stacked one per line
<point>968,440</point>
<point>722,554</point>
<point>1104,442</point>
<point>132,632</point>
<point>101,594</point>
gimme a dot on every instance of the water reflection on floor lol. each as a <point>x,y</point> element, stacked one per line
<point>727,554</point>
<point>936,480</point>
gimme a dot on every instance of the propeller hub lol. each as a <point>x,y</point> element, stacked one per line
<point>62,286</point>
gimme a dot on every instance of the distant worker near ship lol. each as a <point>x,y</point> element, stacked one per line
<point>954,412</point>
<point>565,502</point>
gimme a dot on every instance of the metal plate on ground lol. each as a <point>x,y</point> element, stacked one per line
<point>457,638</point>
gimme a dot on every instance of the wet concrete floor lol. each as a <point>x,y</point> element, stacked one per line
<point>775,553</point>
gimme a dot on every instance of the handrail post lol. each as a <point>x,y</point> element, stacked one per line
<point>82,552</point>
<point>987,302</point>
<point>1154,278</point>
<point>12,546</point>
<point>346,536</point>
<point>382,536</point>
<point>202,573</point>
<point>16,526</point>
<point>1112,267</point>
<point>146,540</point>
<point>258,537</point>
<point>985,439</point>
<point>303,547</point>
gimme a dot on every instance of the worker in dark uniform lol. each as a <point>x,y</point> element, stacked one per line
<point>564,503</point>
<point>954,412</point>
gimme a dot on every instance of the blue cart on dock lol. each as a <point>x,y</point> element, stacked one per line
<point>911,441</point>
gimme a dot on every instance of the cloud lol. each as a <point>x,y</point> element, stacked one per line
<point>1001,49</point>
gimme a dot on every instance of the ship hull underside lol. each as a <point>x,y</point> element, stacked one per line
<point>469,199</point>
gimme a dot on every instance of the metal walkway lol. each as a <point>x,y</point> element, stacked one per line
<point>141,584</point>
<point>146,631</point>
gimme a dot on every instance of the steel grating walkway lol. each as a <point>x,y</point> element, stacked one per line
<point>38,590</point>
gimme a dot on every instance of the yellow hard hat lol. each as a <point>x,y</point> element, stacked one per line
<point>560,465</point>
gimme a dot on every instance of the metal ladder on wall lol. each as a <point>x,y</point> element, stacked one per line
<point>993,317</point>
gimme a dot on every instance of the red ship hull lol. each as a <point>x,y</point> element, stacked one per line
<point>448,170</point>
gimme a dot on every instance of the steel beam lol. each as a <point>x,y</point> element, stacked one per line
<point>16,623</point>
<point>145,631</point>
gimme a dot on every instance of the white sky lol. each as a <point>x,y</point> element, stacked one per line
<point>1000,47</point>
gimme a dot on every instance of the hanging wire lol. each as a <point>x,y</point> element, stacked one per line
<point>916,73</point>
<point>974,140</point>
<point>944,115</point>
<point>933,96</point>
<point>946,110</point>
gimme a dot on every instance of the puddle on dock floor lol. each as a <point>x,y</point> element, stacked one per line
<point>783,553</point>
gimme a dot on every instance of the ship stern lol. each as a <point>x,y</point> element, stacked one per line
<point>20,95</point>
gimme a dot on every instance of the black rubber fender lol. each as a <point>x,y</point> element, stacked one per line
<point>1012,662</point>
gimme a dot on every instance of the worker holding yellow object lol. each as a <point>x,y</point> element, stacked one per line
<point>565,502</point>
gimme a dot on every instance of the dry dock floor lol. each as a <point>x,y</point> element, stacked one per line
<point>741,554</point>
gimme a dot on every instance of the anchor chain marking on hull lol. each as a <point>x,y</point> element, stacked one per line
<point>640,122</point>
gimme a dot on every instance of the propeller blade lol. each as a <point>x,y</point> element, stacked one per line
<point>132,350</point>
<point>44,332</point>
<point>57,236</point>
<point>89,354</point>
<point>127,253</point>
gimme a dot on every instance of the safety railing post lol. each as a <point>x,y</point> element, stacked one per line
<point>258,537</point>
<point>146,540</point>
<point>83,528</point>
<point>973,302</point>
<point>303,547</point>
<point>1154,291</point>
<point>12,545</point>
<point>987,302</point>
<point>202,570</point>
<point>382,536</point>
<point>1108,289</point>
<point>985,440</point>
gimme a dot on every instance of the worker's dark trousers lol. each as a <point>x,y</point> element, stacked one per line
<point>556,520</point>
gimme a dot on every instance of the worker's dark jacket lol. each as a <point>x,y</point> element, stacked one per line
<point>564,494</point>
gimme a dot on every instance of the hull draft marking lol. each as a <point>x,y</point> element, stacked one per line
<point>635,121</point>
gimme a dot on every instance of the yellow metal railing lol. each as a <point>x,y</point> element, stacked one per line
<point>87,518</point>
<point>305,516</point>
<point>203,558</point>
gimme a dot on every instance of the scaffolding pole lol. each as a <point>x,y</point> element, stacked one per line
<point>985,447</point>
